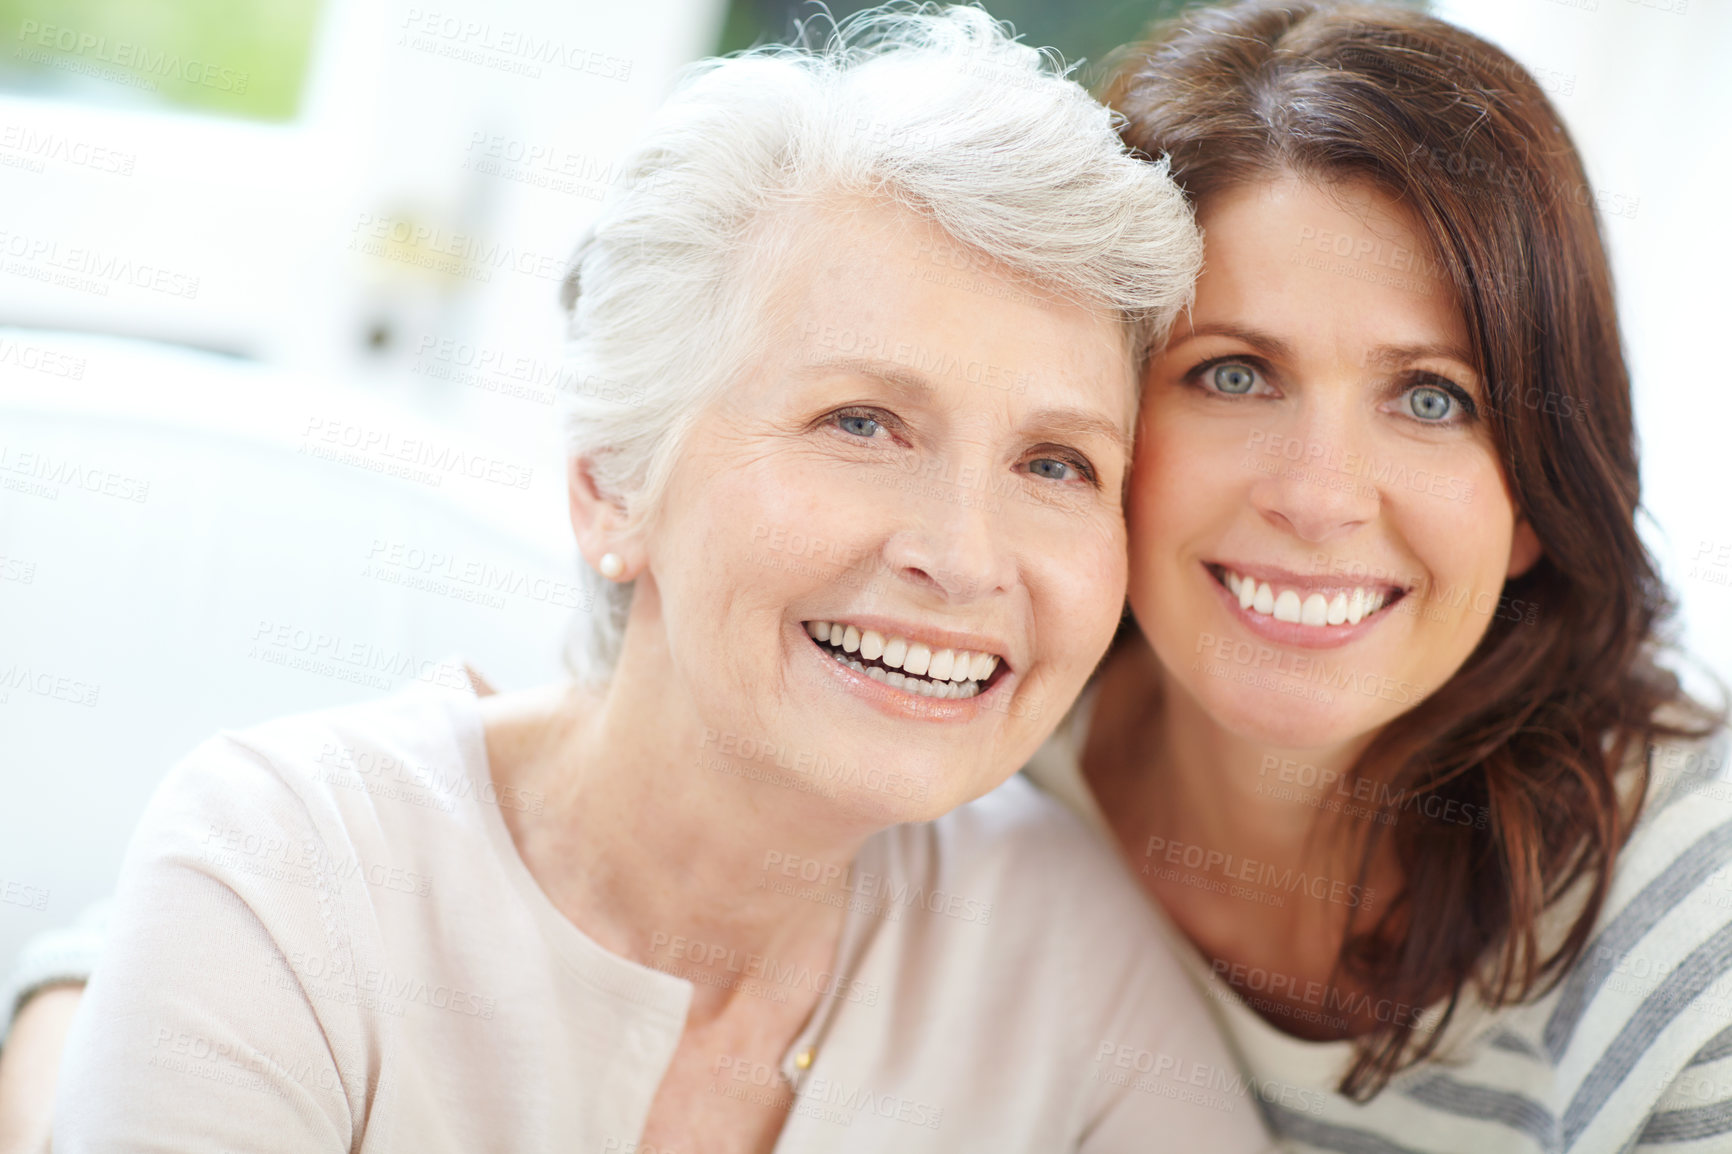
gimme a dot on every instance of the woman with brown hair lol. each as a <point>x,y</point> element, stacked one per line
<point>1391,746</point>
<point>1388,742</point>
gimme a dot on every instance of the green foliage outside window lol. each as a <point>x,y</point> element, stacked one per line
<point>245,58</point>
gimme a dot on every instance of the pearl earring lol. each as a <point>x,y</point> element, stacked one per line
<point>611,566</point>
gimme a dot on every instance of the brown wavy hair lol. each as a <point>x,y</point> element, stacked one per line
<point>1536,725</point>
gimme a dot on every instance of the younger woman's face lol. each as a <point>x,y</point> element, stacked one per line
<point>1320,528</point>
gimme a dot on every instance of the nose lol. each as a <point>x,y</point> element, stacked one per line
<point>1320,489</point>
<point>947,546</point>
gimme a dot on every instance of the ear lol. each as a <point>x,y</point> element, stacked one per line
<point>598,521</point>
<point>1524,549</point>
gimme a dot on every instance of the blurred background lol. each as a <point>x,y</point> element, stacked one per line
<point>279,345</point>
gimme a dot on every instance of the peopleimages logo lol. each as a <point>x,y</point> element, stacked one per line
<point>876,887</point>
<point>517,50</point>
<point>88,269</point>
<point>417,459</point>
<point>134,57</point>
<point>1265,875</point>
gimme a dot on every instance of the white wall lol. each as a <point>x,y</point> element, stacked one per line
<point>272,224</point>
<point>128,612</point>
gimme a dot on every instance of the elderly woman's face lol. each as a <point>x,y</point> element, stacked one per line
<point>888,561</point>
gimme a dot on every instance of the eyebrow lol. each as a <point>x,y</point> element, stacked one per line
<point>1401,354</point>
<point>1054,421</point>
<point>1383,355</point>
<point>1078,423</point>
<point>899,377</point>
<point>1271,346</point>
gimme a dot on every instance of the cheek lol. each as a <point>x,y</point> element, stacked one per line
<point>769,513</point>
<point>735,535</point>
<point>1174,477</point>
<point>1077,596</point>
<point>1459,518</point>
<point>1094,576</point>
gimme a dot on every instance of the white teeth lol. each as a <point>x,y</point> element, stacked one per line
<point>918,660</point>
<point>942,663</point>
<point>945,673</point>
<point>1291,605</point>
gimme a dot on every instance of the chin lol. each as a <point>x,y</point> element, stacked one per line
<point>1286,720</point>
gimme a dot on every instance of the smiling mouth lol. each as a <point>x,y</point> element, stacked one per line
<point>1337,605</point>
<point>910,666</point>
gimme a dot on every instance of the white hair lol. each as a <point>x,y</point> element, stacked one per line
<point>935,109</point>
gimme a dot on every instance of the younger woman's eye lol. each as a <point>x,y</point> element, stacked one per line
<point>1439,403</point>
<point>1429,403</point>
<point>1233,378</point>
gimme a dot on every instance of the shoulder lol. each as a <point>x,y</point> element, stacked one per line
<point>1650,996</point>
<point>1023,845</point>
<point>307,786</point>
<point>1017,874</point>
<point>1679,852</point>
<point>1014,913</point>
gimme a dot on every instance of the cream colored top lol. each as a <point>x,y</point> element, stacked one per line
<point>325,939</point>
<point>1631,1052</point>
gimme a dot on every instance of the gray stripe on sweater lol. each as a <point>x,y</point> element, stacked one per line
<point>1701,969</point>
<point>1516,1111</point>
<point>1294,1126</point>
<point>1633,923</point>
<point>1719,1046</point>
<point>1690,1125</point>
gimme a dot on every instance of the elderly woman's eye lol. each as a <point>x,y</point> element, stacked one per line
<point>1234,378</point>
<point>1061,469</point>
<point>858,424</point>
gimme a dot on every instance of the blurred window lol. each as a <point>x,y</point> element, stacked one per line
<point>241,58</point>
<point>1090,30</point>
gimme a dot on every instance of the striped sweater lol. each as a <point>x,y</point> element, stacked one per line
<point>1630,1052</point>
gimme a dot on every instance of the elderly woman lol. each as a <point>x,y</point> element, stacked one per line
<point>881,309</point>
